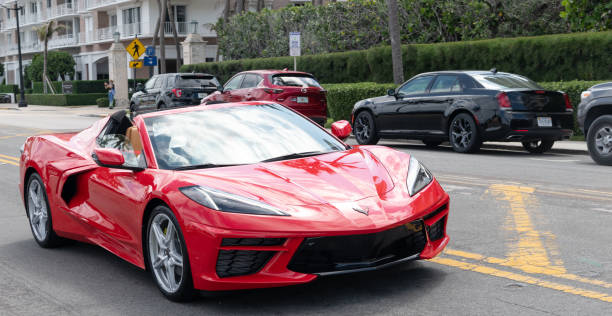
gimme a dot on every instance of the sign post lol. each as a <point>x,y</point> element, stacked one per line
<point>294,47</point>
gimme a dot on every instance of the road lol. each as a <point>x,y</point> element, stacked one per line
<point>530,235</point>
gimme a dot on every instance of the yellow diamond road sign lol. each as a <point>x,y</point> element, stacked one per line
<point>135,49</point>
<point>135,64</point>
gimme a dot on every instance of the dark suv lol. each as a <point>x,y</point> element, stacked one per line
<point>595,120</point>
<point>173,90</point>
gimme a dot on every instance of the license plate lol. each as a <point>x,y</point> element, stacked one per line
<point>202,95</point>
<point>544,121</point>
<point>302,99</point>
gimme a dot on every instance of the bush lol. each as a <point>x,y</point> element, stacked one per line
<point>58,63</point>
<point>64,99</point>
<point>84,86</point>
<point>564,57</point>
<point>342,97</point>
<point>10,88</point>
<point>102,102</point>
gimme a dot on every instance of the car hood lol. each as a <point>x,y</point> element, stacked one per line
<point>336,177</point>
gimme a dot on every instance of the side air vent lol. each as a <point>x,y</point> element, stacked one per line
<point>70,188</point>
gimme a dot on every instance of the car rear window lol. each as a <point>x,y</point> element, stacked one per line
<point>506,81</point>
<point>294,80</point>
<point>198,81</point>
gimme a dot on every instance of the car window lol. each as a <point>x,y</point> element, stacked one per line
<point>294,80</point>
<point>234,83</point>
<point>119,133</point>
<point>159,82</point>
<point>415,86</point>
<point>251,81</point>
<point>506,81</point>
<point>170,81</point>
<point>445,84</point>
<point>150,83</point>
<point>197,81</point>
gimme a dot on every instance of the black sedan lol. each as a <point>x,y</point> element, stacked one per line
<point>467,108</point>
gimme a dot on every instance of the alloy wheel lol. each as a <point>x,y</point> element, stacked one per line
<point>603,140</point>
<point>362,128</point>
<point>461,133</point>
<point>165,253</point>
<point>38,210</point>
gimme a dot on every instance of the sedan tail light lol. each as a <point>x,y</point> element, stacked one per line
<point>503,100</point>
<point>568,103</point>
<point>177,92</point>
<point>273,91</point>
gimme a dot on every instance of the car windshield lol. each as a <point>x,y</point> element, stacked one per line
<point>235,135</point>
<point>198,81</point>
<point>506,81</point>
<point>293,80</point>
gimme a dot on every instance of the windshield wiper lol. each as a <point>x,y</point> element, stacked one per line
<point>296,155</point>
<point>204,166</point>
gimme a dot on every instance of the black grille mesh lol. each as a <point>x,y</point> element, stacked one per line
<point>253,241</point>
<point>241,262</point>
<point>436,231</point>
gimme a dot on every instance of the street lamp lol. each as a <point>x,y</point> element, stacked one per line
<point>194,27</point>
<point>116,37</point>
<point>22,100</point>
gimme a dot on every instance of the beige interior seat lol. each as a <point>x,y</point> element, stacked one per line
<point>133,137</point>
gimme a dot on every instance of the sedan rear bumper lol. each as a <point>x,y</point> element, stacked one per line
<point>525,126</point>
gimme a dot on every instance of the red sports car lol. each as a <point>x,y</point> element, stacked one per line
<point>297,90</point>
<point>231,196</point>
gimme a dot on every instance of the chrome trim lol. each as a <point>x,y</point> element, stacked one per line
<point>382,266</point>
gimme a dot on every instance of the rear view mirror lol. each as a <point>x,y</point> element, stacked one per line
<point>108,157</point>
<point>391,92</point>
<point>341,129</point>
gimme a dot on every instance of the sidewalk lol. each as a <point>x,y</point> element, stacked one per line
<point>86,110</point>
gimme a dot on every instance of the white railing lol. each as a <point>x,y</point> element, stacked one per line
<point>9,24</point>
<point>65,9</point>
<point>106,33</point>
<point>32,19</point>
<point>90,4</point>
<point>182,28</point>
<point>26,47</point>
<point>63,40</point>
<point>130,30</point>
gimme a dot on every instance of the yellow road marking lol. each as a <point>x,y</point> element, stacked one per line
<point>493,260</point>
<point>10,162</point>
<point>16,135</point>
<point>528,252</point>
<point>522,278</point>
<point>9,157</point>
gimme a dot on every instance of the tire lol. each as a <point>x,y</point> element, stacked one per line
<point>432,143</point>
<point>38,210</point>
<point>162,243</point>
<point>365,130</point>
<point>538,146</point>
<point>599,140</point>
<point>161,106</point>
<point>463,134</point>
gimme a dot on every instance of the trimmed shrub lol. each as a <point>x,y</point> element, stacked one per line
<point>10,88</point>
<point>102,102</point>
<point>83,86</point>
<point>563,57</point>
<point>64,99</point>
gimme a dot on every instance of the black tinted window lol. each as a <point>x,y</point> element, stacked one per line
<point>170,82</point>
<point>150,83</point>
<point>506,81</point>
<point>294,80</point>
<point>251,81</point>
<point>234,83</point>
<point>415,86</point>
<point>159,82</point>
<point>445,84</point>
<point>191,81</point>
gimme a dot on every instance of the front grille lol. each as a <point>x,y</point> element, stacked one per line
<point>253,241</point>
<point>436,231</point>
<point>436,212</point>
<point>241,262</point>
<point>338,253</point>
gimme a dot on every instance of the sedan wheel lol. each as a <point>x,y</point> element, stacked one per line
<point>538,146</point>
<point>39,214</point>
<point>463,134</point>
<point>167,256</point>
<point>599,140</point>
<point>365,131</point>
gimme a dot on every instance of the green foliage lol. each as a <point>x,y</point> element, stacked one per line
<point>38,87</point>
<point>10,88</point>
<point>58,63</point>
<point>84,86</point>
<point>361,24</point>
<point>587,15</point>
<point>64,99</point>
<point>342,97</point>
<point>566,57</point>
<point>102,102</point>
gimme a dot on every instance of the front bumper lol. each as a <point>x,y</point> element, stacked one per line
<point>224,259</point>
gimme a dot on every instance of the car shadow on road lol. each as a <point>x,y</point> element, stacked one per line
<point>485,151</point>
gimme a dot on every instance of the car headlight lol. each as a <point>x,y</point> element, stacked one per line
<point>228,202</point>
<point>585,94</point>
<point>418,176</point>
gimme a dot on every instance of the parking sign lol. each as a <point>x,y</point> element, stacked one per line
<point>294,44</point>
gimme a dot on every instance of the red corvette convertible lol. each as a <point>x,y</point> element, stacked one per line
<point>231,196</point>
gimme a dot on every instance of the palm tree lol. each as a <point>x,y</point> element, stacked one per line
<point>173,25</point>
<point>396,45</point>
<point>45,32</point>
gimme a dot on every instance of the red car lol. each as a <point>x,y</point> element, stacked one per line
<point>231,196</point>
<point>297,90</point>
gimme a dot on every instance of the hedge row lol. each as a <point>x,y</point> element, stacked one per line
<point>561,57</point>
<point>342,97</point>
<point>9,88</point>
<point>64,99</point>
<point>83,86</point>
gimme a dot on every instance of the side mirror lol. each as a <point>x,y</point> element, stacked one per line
<point>391,92</point>
<point>220,88</point>
<point>108,157</point>
<point>341,129</point>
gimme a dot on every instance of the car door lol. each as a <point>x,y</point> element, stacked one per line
<point>444,89</point>
<point>229,93</point>
<point>249,88</point>
<point>155,93</point>
<point>400,115</point>
<point>144,99</point>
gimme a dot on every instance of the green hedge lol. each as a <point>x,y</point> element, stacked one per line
<point>342,97</point>
<point>9,88</point>
<point>64,99</point>
<point>83,86</point>
<point>563,57</point>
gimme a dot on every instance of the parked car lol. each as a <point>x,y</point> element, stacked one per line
<point>297,90</point>
<point>595,120</point>
<point>231,196</point>
<point>173,90</point>
<point>466,108</point>
<point>5,98</point>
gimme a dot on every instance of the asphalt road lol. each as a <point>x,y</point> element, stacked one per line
<point>530,235</point>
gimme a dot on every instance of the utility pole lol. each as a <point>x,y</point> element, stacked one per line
<point>22,100</point>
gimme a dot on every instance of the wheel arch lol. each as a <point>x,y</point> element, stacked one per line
<point>29,171</point>
<point>361,109</point>
<point>456,112</point>
<point>151,205</point>
<point>594,113</point>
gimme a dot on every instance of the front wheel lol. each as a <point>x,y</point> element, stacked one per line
<point>599,140</point>
<point>538,146</point>
<point>365,130</point>
<point>167,255</point>
<point>463,134</point>
<point>39,214</point>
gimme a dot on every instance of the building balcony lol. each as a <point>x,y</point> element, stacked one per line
<point>26,47</point>
<point>64,40</point>
<point>66,9</point>
<point>101,4</point>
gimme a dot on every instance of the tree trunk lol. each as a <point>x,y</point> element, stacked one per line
<point>162,37</point>
<point>396,48</point>
<point>44,75</point>
<point>173,25</point>
<point>239,6</point>
<point>155,35</point>
<point>226,10</point>
<point>260,5</point>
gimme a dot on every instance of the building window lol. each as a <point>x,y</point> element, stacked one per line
<point>131,21</point>
<point>49,3</point>
<point>179,13</point>
<point>33,8</point>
